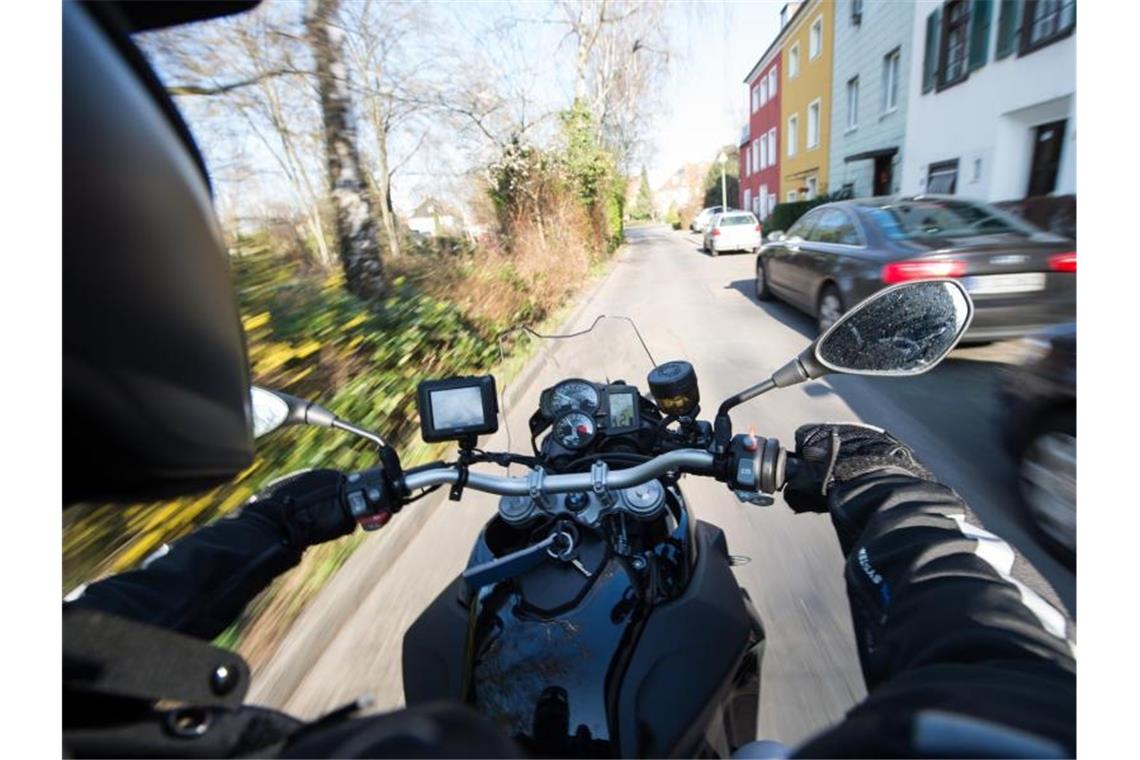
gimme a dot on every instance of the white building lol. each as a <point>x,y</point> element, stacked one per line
<point>992,99</point>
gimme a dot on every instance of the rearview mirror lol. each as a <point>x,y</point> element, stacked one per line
<point>904,330</point>
<point>775,236</point>
<point>270,411</point>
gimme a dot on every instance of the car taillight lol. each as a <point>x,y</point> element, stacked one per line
<point>1064,262</point>
<point>759,228</point>
<point>715,232</point>
<point>903,271</point>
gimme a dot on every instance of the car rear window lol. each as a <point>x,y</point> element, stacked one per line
<point>945,218</point>
<point>731,220</point>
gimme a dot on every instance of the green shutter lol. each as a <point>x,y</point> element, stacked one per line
<point>930,59</point>
<point>980,16</point>
<point>1008,27</point>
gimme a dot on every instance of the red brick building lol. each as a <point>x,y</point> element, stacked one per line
<point>760,140</point>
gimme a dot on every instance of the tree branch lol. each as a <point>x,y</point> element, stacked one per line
<point>221,89</point>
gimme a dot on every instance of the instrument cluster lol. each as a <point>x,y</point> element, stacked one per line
<point>578,411</point>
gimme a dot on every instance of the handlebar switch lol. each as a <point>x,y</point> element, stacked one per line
<point>369,498</point>
<point>755,464</point>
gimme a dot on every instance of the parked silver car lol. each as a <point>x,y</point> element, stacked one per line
<point>732,231</point>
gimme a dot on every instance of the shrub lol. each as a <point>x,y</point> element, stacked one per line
<point>787,214</point>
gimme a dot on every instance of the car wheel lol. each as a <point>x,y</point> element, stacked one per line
<point>763,292</point>
<point>830,308</point>
<point>1047,479</point>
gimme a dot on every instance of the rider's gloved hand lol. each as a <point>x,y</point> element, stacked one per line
<point>310,504</point>
<point>834,453</point>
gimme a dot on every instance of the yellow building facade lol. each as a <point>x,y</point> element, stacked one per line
<point>805,105</point>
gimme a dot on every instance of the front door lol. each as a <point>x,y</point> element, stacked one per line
<point>883,175</point>
<point>1046,158</point>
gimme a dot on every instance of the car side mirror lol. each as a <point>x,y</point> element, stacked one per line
<point>775,236</point>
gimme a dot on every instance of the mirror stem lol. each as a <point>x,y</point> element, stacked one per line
<point>348,427</point>
<point>803,367</point>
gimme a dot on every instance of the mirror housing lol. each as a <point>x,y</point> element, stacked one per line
<point>274,409</point>
<point>775,236</point>
<point>904,330</point>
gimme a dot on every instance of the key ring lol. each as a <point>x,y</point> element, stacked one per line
<point>566,553</point>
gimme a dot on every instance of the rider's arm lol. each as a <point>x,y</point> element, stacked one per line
<point>961,658</point>
<point>204,581</point>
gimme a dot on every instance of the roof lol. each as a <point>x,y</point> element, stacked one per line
<point>432,207</point>
<point>776,42</point>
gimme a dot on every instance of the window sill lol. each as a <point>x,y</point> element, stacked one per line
<point>1032,47</point>
<point>888,112</point>
<point>940,86</point>
<point>849,130</point>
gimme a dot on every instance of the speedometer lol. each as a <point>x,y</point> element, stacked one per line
<point>574,430</point>
<point>574,396</point>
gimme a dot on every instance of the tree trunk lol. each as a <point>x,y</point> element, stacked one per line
<point>356,232</point>
<point>387,215</point>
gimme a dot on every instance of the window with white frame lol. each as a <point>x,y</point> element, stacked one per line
<point>772,77</point>
<point>756,154</point>
<point>763,210</point>
<point>772,200</point>
<point>794,61</point>
<point>747,198</point>
<point>755,98</point>
<point>812,187</point>
<point>791,196</point>
<point>764,151</point>
<point>747,163</point>
<point>815,39</point>
<point>791,137</point>
<point>772,146</point>
<point>852,103</point>
<point>763,91</point>
<point>813,124</point>
<point>891,80</point>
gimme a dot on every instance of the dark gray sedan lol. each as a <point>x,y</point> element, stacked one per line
<point>1021,278</point>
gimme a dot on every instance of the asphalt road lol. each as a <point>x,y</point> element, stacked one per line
<point>702,309</point>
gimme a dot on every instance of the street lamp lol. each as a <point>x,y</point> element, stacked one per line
<point>723,187</point>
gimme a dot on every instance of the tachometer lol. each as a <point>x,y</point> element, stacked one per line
<point>574,396</point>
<point>574,430</point>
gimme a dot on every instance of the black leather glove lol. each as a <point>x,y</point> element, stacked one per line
<point>310,504</point>
<point>831,453</point>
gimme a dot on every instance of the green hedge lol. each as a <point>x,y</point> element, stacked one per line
<point>787,214</point>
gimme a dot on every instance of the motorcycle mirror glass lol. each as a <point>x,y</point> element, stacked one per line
<point>904,330</point>
<point>270,411</point>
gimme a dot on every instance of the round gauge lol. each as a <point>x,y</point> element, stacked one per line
<point>574,430</point>
<point>574,396</point>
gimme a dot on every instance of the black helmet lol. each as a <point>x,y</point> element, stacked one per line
<point>155,375</point>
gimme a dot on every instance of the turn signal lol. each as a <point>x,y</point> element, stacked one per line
<point>1064,262</point>
<point>715,232</point>
<point>904,271</point>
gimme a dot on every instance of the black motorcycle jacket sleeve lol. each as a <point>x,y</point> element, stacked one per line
<point>961,658</point>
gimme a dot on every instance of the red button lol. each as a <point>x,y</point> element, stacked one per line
<point>750,443</point>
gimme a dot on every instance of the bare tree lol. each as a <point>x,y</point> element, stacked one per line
<point>621,54</point>
<point>250,77</point>
<point>387,67</point>
<point>356,233</point>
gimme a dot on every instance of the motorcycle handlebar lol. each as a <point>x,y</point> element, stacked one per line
<point>696,461</point>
